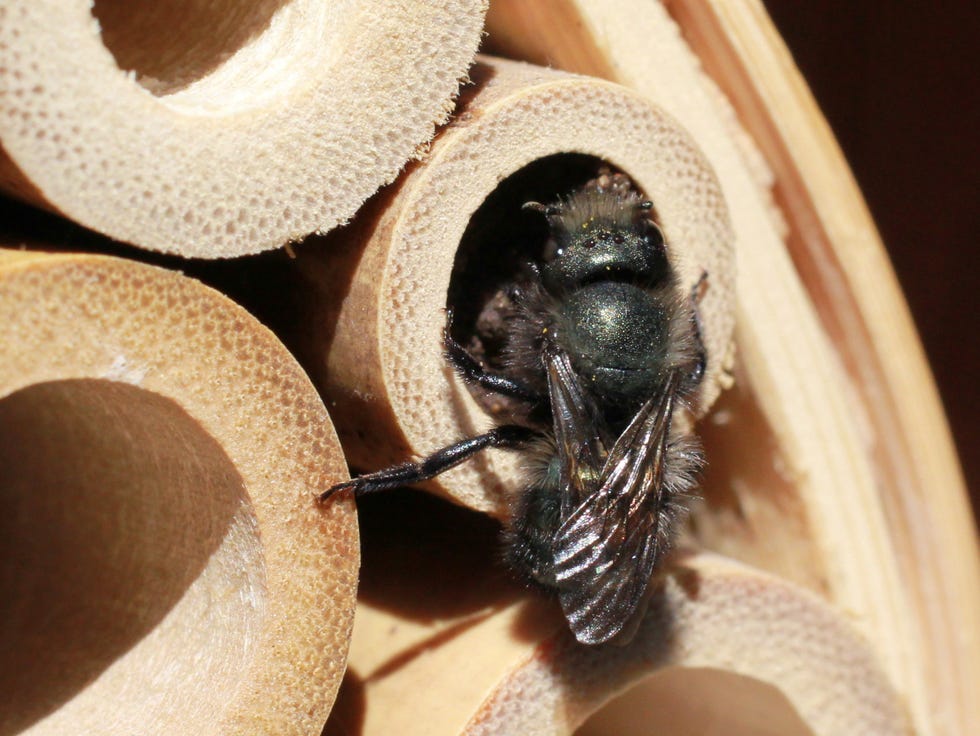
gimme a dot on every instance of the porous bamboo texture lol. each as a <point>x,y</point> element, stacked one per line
<point>378,357</point>
<point>214,129</point>
<point>163,565</point>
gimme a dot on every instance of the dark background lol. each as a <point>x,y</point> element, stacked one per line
<point>898,84</point>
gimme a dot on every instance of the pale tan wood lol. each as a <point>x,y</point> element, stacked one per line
<point>215,129</point>
<point>381,361</point>
<point>861,474</point>
<point>846,269</point>
<point>164,566</point>
<point>765,650</point>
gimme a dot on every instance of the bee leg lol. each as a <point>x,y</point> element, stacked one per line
<point>505,436</point>
<point>700,354</point>
<point>471,369</point>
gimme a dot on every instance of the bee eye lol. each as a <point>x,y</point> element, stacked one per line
<point>590,243</point>
<point>654,239</point>
<point>618,239</point>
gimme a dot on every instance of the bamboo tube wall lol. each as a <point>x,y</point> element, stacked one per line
<point>215,129</point>
<point>163,564</point>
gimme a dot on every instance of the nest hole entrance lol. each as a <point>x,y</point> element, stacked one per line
<point>698,702</point>
<point>131,573</point>
<point>498,243</point>
<point>220,56</point>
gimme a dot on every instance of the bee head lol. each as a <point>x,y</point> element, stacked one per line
<point>601,235</point>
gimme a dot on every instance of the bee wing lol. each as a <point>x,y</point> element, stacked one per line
<point>606,548</point>
<point>577,433</point>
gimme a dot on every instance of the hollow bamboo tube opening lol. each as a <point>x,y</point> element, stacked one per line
<point>216,129</point>
<point>694,702</point>
<point>171,46</point>
<point>378,352</point>
<point>122,520</point>
<point>164,563</point>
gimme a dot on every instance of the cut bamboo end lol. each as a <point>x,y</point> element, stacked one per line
<point>523,133</point>
<point>215,129</point>
<point>164,565</point>
<point>721,639</point>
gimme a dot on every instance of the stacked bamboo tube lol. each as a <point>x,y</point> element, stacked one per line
<point>216,129</point>
<point>164,566</point>
<point>824,624</point>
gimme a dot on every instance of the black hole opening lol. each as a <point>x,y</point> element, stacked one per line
<point>499,241</point>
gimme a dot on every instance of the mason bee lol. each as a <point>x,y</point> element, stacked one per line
<point>601,347</point>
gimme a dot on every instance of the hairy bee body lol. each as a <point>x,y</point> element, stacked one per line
<point>601,349</point>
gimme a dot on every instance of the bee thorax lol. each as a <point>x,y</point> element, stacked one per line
<point>616,335</point>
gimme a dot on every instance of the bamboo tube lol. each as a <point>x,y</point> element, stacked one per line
<point>215,129</point>
<point>764,655</point>
<point>378,355</point>
<point>798,665</point>
<point>864,477</point>
<point>164,567</point>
